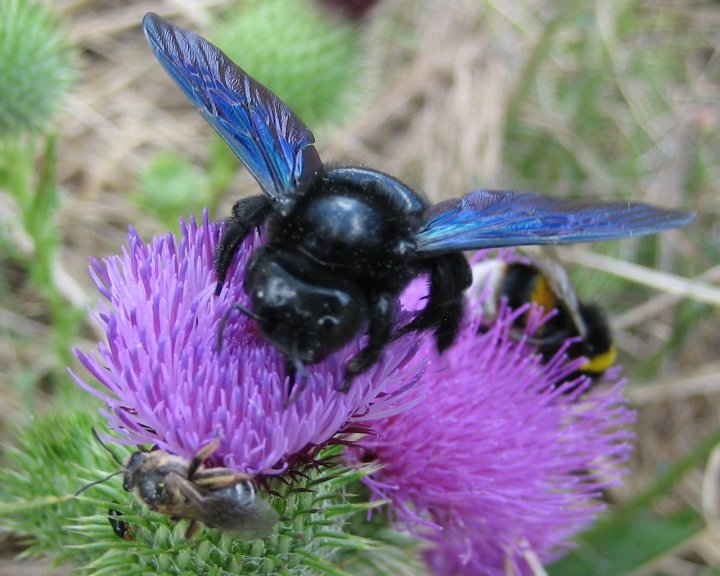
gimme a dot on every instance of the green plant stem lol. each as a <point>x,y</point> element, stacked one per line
<point>38,201</point>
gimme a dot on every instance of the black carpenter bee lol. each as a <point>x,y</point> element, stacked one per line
<point>543,281</point>
<point>185,489</point>
<point>342,243</point>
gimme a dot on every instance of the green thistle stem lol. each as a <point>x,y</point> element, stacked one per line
<point>38,203</point>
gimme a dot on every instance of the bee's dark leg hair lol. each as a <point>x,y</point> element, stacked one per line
<point>201,456</point>
<point>382,314</point>
<point>297,373</point>
<point>450,276</point>
<point>192,530</point>
<point>247,214</point>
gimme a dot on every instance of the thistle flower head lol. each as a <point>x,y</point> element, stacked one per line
<point>169,379</point>
<point>497,461</point>
<point>36,66</point>
<point>310,57</point>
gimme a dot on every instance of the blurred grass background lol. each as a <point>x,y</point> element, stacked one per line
<point>606,99</point>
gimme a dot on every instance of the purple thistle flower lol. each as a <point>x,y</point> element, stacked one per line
<point>495,462</point>
<point>167,379</point>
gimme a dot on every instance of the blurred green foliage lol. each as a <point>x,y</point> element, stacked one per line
<point>309,56</point>
<point>171,185</point>
<point>36,67</point>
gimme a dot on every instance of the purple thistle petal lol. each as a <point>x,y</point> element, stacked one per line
<point>495,461</point>
<point>166,382</point>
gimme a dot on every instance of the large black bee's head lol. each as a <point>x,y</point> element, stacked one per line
<point>305,312</point>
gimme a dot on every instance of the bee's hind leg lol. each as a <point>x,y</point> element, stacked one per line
<point>192,530</point>
<point>205,453</point>
<point>382,314</point>
<point>450,276</point>
<point>247,213</point>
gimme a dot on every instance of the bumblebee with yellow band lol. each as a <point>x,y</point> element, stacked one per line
<point>544,282</point>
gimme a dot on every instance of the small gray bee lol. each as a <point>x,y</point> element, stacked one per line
<point>185,489</point>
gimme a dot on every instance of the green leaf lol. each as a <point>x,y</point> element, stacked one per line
<point>321,565</point>
<point>9,508</point>
<point>617,541</point>
<point>630,547</point>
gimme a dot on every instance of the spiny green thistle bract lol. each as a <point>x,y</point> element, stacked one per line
<point>55,457</point>
<point>36,66</point>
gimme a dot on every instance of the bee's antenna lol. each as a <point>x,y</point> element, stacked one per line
<point>223,322</point>
<point>98,482</point>
<point>97,437</point>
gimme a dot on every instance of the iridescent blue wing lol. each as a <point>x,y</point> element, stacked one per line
<point>273,143</point>
<point>490,219</point>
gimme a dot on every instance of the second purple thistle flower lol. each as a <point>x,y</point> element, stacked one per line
<point>506,454</point>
